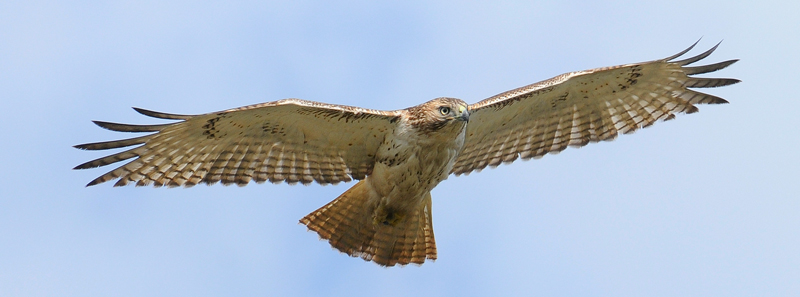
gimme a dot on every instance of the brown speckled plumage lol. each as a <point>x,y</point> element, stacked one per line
<point>400,156</point>
<point>577,108</point>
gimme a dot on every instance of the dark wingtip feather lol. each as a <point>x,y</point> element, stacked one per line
<point>113,144</point>
<point>694,97</point>
<point>130,128</point>
<point>682,52</point>
<point>708,68</point>
<point>94,182</point>
<point>101,179</point>
<point>85,165</point>
<point>162,115</point>
<point>698,57</point>
<point>110,159</point>
<point>698,82</point>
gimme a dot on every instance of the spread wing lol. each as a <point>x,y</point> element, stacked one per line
<point>289,140</point>
<point>577,108</point>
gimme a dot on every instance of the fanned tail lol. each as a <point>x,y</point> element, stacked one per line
<point>348,224</point>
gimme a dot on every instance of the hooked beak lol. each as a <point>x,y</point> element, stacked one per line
<point>464,114</point>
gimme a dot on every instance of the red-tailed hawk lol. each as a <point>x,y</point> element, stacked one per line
<point>400,156</point>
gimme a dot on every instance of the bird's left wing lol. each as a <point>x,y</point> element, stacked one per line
<point>577,108</point>
<point>289,140</point>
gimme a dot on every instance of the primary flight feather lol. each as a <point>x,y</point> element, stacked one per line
<point>400,156</point>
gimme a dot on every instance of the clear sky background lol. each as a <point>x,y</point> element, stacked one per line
<point>705,205</point>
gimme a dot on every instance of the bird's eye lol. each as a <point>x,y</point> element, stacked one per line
<point>444,110</point>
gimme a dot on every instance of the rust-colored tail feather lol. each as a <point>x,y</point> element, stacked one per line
<point>347,223</point>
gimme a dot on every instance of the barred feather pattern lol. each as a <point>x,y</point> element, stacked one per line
<point>283,141</point>
<point>346,223</point>
<point>582,107</point>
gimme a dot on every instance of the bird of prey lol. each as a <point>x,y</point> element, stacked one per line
<point>399,156</point>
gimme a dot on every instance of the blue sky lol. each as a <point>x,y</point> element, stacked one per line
<point>703,205</point>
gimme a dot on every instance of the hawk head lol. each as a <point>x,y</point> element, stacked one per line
<point>439,115</point>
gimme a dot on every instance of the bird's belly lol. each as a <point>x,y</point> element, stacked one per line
<point>401,181</point>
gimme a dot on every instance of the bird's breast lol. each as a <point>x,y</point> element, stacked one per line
<point>408,167</point>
